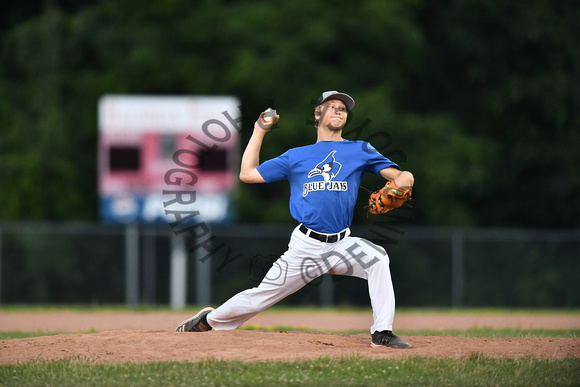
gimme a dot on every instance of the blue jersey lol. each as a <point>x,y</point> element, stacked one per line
<point>324,180</point>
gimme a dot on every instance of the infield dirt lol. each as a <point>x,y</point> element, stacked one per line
<point>150,337</point>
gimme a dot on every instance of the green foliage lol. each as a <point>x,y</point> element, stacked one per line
<point>507,73</point>
<point>348,371</point>
<point>479,97</point>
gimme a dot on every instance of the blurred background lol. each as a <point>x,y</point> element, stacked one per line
<point>479,99</point>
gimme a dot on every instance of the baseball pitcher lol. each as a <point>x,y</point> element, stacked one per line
<point>324,182</point>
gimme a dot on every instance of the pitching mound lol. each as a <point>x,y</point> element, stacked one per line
<point>142,337</point>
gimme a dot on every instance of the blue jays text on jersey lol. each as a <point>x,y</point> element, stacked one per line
<point>324,180</point>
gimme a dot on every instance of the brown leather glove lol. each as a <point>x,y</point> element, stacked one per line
<point>387,198</point>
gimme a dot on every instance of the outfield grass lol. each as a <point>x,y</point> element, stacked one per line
<point>352,371</point>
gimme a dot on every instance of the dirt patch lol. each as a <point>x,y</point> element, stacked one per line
<point>149,337</point>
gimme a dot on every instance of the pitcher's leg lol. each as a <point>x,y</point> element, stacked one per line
<point>235,311</point>
<point>286,276</point>
<point>361,258</point>
<point>283,279</point>
<point>382,295</point>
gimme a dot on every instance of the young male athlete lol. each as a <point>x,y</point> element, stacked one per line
<point>324,181</point>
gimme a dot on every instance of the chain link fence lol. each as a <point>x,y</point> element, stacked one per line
<point>93,263</point>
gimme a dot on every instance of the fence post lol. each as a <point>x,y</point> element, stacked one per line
<point>132,265</point>
<point>178,279</point>
<point>202,279</point>
<point>326,291</point>
<point>149,266</point>
<point>457,260</point>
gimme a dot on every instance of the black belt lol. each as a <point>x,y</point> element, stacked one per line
<point>322,237</point>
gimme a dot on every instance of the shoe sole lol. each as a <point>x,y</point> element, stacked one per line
<point>389,346</point>
<point>201,312</point>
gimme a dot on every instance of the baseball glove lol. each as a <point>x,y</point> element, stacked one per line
<point>387,198</point>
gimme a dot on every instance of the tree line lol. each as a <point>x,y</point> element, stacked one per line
<point>479,99</point>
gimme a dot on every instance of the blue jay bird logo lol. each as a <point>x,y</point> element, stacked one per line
<point>328,168</point>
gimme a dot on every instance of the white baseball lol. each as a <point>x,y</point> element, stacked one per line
<point>269,115</point>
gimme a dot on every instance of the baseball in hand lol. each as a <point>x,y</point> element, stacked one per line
<point>269,115</point>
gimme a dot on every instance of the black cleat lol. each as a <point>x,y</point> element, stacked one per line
<point>388,339</point>
<point>197,323</point>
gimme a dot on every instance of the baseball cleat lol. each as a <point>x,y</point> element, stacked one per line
<point>388,339</point>
<point>197,323</point>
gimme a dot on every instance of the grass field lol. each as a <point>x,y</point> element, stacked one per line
<point>471,371</point>
<point>348,371</point>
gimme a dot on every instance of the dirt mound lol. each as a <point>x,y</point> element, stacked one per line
<point>149,337</point>
<point>153,346</point>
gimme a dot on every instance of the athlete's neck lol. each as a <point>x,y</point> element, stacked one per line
<point>329,135</point>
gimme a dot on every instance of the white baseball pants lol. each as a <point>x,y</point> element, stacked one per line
<point>305,260</point>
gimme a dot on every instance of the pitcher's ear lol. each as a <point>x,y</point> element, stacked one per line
<point>317,115</point>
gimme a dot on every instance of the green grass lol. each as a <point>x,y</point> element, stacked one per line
<point>26,334</point>
<point>88,308</point>
<point>499,333</point>
<point>474,332</point>
<point>351,371</point>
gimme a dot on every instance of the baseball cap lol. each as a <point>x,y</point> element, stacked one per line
<point>347,99</point>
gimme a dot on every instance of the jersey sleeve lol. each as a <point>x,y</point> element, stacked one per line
<point>274,169</point>
<point>375,160</point>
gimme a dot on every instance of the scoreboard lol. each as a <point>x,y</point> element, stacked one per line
<point>150,147</point>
